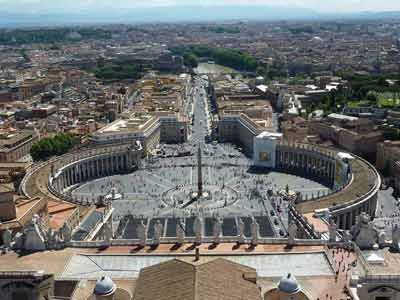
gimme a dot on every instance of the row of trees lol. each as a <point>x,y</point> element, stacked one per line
<point>228,57</point>
<point>47,147</point>
<point>119,69</point>
<point>300,30</point>
<point>274,72</point>
<point>223,29</point>
<point>51,35</point>
<point>235,59</point>
<point>362,85</point>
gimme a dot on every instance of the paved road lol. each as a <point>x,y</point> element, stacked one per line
<point>200,127</point>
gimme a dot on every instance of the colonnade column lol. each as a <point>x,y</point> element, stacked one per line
<point>97,164</point>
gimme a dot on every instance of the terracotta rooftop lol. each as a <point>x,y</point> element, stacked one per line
<point>319,225</point>
<point>50,261</point>
<point>26,208</point>
<point>321,287</point>
<point>217,279</point>
<point>59,212</point>
<point>211,277</point>
<point>55,261</point>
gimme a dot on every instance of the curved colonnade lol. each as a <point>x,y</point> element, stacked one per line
<point>307,161</point>
<point>64,172</point>
<point>356,194</point>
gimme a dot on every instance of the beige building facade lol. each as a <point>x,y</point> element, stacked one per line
<point>15,145</point>
<point>362,143</point>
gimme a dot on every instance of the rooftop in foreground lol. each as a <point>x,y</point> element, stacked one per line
<point>56,261</point>
<point>129,268</point>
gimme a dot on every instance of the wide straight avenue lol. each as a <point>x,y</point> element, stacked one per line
<point>200,119</point>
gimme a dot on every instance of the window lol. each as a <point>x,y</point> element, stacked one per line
<point>264,156</point>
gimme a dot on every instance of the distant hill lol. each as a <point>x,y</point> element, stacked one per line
<point>177,14</point>
<point>159,14</point>
<point>377,15</point>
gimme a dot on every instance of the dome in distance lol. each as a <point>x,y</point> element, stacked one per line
<point>104,286</point>
<point>288,284</point>
<point>317,39</point>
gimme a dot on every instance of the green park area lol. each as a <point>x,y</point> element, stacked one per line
<point>382,100</point>
<point>369,90</point>
<point>388,99</point>
<point>357,104</point>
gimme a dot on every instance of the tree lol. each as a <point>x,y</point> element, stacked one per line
<point>121,68</point>
<point>36,152</point>
<point>190,60</point>
<point>372,97</point>
<point>227,57</point>
<point>47,147</point>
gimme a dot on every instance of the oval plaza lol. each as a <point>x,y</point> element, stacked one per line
<point>279,180</point>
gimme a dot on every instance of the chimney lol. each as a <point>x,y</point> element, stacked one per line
<point>197,254</point>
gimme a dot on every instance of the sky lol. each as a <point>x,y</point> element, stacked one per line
<point>330,6</point>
